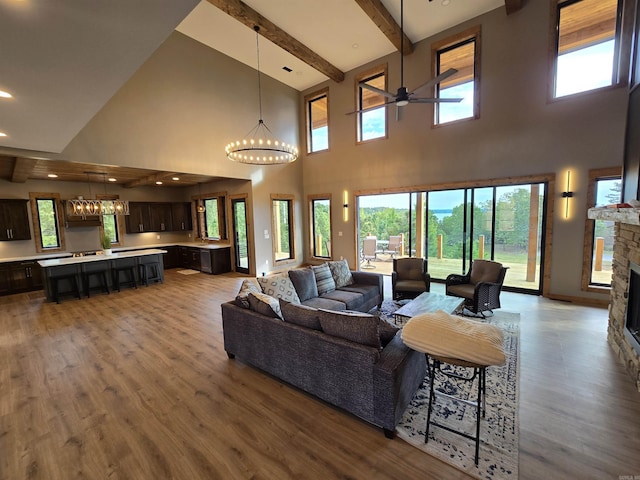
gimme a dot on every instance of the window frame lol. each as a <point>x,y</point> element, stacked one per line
<point>312,234</point>
<point>589,226</point>
<point>120,223</point>
<point>380,70</point>
<point>472,34</point>
<point>308,100</point>
<point>624,29</point>
<point>200,217</point>
<point>35,220</point>
<point>274,227</point>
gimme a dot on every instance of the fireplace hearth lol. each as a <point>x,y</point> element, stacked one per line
<point>632,326</point>
<point>624,304</point>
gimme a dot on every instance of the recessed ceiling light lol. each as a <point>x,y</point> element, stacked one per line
<point>113,179</point>
<point>4,94</point>
<point>355,45</point>
<point>446,2</point>
<point>175,178</point>
<point>158,183</point>
<point>52,175</point>
<point>2,134</point>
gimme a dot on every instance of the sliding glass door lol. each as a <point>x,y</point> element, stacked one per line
<point>453,227</point>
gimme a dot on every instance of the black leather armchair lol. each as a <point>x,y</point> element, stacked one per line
<point>409,277</point>
<point>480,287</point>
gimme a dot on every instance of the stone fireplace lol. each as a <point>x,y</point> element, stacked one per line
<point>626,257</point>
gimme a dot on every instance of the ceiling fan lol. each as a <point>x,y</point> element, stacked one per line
<point>403,97</point>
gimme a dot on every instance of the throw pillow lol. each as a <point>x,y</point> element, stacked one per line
<point>300,315</point>
<point>386,332</point>
<point>265,304</point>
<point>324,280</point>
<point>279,286</point>
<point>248,285</point>
<point>353,326</point>
<point>441,334</point>
<point>341,273</point>
<point>304,281</point>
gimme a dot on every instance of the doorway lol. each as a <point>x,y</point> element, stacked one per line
<point>241,242</point>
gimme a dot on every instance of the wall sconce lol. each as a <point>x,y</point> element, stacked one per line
<point>567,194</point>
<point>345,206</point>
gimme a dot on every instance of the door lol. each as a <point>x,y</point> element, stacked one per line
<point>241,243</point>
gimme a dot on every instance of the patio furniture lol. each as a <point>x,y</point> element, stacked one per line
<point>409,277</point>
<point>395,245</point>
<point>480,287</point>
<point>369,251</point>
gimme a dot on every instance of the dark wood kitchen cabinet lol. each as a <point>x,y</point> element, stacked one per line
<point>160,217</point>
<point>23,276</point>
<point>181,216</point>
<point>14,220</point>
<point>138,220</point>
<point>190,258</point>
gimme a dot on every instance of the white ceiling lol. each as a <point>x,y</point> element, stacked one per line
<point>337,30</point>
<point>64,60</point>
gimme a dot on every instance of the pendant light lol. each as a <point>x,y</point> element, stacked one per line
<point>82,207</point>
<point>259,147</point>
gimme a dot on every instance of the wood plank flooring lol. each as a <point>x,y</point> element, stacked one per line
<point>136,385</point>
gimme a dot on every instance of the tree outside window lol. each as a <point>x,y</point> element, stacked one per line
<point>321,227</point>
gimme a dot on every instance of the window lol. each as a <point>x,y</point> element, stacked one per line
<point>110,227</point>
<point>47,224</point>
<point>605,186</point>
<point>320,215</point>
<point>282,224</point>
<point>372,123</point>
<point>211,215</point>
<point>461,52</point>
<point>317,121</point>
<point>586,38</point>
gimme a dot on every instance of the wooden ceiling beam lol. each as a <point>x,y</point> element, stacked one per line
<point>149,179</point>
<point>512,6</point>
<point>22,169</point>
<point>248,16</point>
<point>386,23</point>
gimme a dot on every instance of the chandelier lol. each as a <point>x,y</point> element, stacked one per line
<point>82,207</point>
<point>259,147</point>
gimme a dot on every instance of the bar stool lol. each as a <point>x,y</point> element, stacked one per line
<point>130,274</point>
<point>101,276</point>
<point>55,285</point>
<point>460,342</point>
<point>150,272</point>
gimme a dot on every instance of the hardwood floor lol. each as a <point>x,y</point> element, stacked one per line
<point>136,385</point>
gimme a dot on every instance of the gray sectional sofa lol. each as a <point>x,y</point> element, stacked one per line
<point>351,360</point>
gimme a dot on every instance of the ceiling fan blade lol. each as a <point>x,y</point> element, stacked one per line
<point>371,108</point>
<point>435,100</point>
<point>377,90</point>
<point>436,80</point>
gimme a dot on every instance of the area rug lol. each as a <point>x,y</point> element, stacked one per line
<point>187,271</point>
<point>499,430</point>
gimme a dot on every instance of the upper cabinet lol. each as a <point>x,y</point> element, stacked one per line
<point>14,220</point>
<point>181,216</point>
<point>158,217</point>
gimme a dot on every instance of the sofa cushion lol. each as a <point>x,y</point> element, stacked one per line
<point>326,303</point>
<point>300,315</point>
<point>369,292</point>
<point>248,285</point>
<point>265,304</point>
<point>352,300</point>
<point>353,326</point>
<point>279,286</point>
<point>304,281</point>
<point>341,273</point>
<point>324,280</point>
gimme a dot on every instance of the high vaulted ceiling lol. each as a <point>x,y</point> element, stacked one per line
<point>63,60</point>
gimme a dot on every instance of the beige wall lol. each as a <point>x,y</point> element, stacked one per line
<point>187,101</point>
<point>519,133</point>
<point>179,111</point>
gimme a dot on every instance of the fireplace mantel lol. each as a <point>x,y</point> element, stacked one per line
<point>622,215</point>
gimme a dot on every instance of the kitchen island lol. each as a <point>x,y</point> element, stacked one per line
<point>77,276</point>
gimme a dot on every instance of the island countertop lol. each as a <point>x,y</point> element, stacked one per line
<point>57,262</point>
